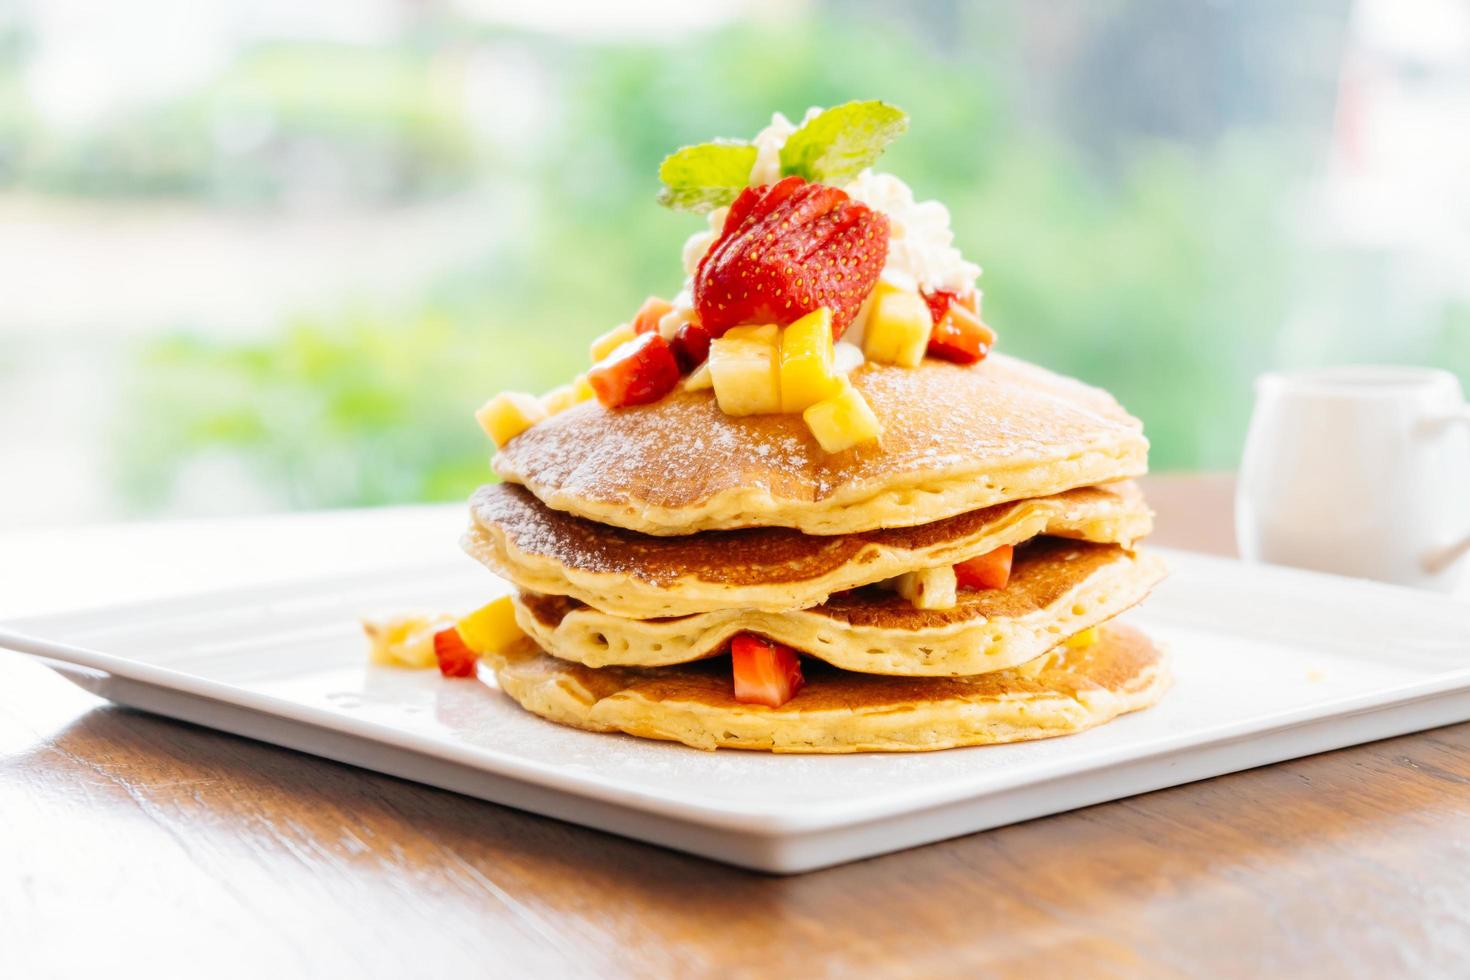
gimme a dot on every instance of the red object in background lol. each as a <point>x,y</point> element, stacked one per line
<point>455,659</point>
<point>691,345</point>
<point>642,370</point>
<point>787,249</point>
<point>648,315</point>
<point>991,570</point>
<point>765,672</point>
<point>960,336</point>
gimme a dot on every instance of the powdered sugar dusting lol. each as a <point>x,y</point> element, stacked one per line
<point>940,421</point>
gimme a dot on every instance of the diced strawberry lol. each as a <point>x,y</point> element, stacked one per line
<point>648,315</point>
<point>941,299</point>
<point>787,249</point>
<point>960,337</point>
<point>765,672</point>
<point>455,659</point>
<point>991,570</point>
<point>691,345</point>
<point>642,370</point>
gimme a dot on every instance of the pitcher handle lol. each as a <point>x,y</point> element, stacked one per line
<point>1441,558</point>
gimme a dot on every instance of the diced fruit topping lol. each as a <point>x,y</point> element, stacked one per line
<point>939,301</point>
<point>404,640</point>
<point>509,414</point>
<point>611,341</point>
<point>491,628</point>
<point>843,420</point>
<point>898,327</point>
<point>559,399</point>
<point>942,299</point>
<point>765,672</point>
<point>745,369</point>
<point>807,374</point>
<point>700,379</point>
<point>691,345</point>
<point>1083,640</point>
<point>787,249</point>
<point>991,570</point>
<point>583,388</point>
<point>929,588</point>
<point>961,336</point>
<point>652,311</point>
<point>640,371</point>
<point>455,659</point>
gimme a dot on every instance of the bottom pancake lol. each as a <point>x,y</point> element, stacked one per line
<point>1065,691</point>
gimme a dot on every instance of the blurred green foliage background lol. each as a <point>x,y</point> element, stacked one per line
<point>1125,171</point>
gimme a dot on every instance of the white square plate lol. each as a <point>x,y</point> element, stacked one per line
<point>1269,663</point>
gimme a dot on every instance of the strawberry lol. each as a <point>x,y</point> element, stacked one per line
<point>940,300</point>
<point>787,249</point>
<point>765,672</point>
<point>455,658</point>
<point>959,334</point>
<point>642,370</point>
<point>991,570</point>
<point>691,345</point>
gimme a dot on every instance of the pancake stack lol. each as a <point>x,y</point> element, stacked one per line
<point>642,540</point>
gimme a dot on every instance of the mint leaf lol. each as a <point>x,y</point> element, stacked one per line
<point>836,145</point>
<point>705,176</point>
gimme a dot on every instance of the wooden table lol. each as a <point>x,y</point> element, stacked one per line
<point>132,841</point>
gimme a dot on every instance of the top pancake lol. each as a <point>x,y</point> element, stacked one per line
<point>955,439</point>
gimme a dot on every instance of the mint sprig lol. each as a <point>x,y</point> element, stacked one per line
<point>705,176</point>
<point>836,145</point>
<point>832,147</point>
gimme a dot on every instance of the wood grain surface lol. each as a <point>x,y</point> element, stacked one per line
<point>132,845</point>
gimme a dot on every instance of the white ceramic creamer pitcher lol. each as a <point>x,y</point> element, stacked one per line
<point>1360,471</point>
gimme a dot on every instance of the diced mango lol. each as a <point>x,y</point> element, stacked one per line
<point>929,588</point>
<point>559,399</point>
<point>1083,640</point>
<point>699,379</point>
<point>611,341</point>
<point>807,374</point>
<point>491,628</point>
<point>509,414</point>
<point>583,388</point>
<point>842,421</point>
<point>404,639</point>
<point>898,327</point>
<point>745,367</point>
<point>766,333</point>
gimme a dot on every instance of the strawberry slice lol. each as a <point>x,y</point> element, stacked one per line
<point>640,371</point>
<point>765,672</point>
<point>648,315</point>
<point>455,658</point>
<point>691,345</point>
<point>787,249</point>
<point>991,570</point>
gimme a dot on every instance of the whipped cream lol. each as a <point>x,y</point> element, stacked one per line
<point>768,143</point>
<point>921,250</point>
